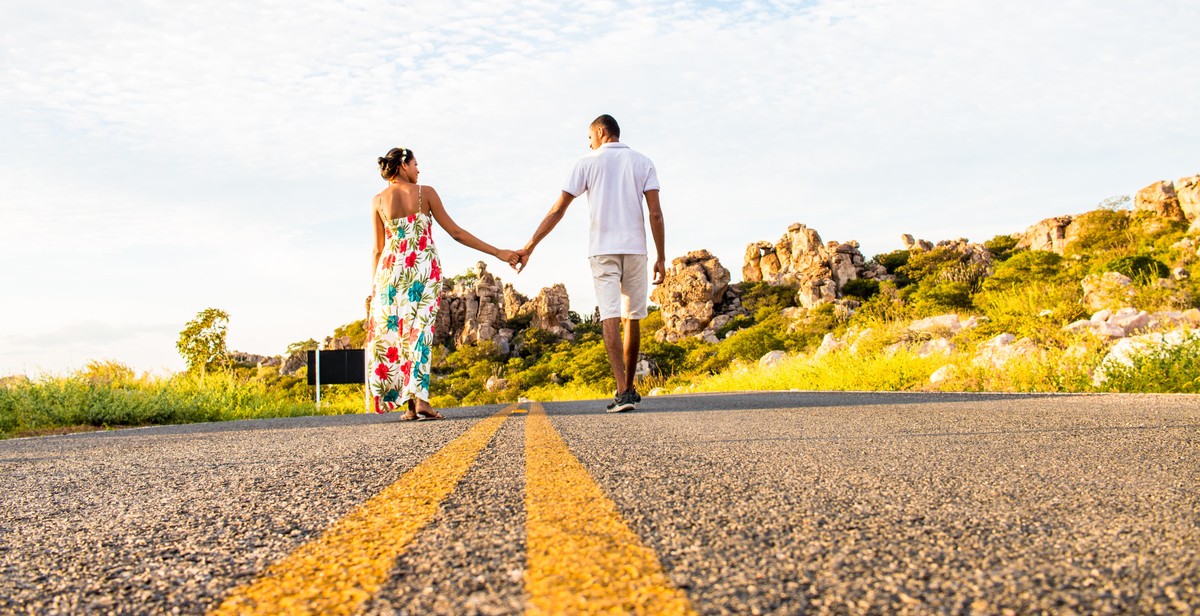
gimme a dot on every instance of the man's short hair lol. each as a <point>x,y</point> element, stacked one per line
<point>609,124</point>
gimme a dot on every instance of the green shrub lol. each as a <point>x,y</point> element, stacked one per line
<point>669,357</point>
<point>1002,247</point>
<point>862,288</point>
<point>893,261</point>
<point>943,279</point>
<point>1138,267</point>
<point>519,322</point>
<point>749,344</point>
<point>884,307</point>
<point>764,300</point>
<point>1099,231</point>
<point>356,331</point>
<point>924,264</point>
<point>1025,267</point>
<point>734,324</point>
<point>535,342</point>
<point>1164,369</point>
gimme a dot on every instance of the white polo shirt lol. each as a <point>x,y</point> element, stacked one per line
<point>615,177</point>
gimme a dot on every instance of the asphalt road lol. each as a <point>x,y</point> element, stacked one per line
<point>740,503</point>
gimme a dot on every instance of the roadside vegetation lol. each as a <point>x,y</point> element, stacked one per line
<point>1029,294</point>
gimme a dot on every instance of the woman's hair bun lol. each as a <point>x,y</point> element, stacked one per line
<point>391,162</point>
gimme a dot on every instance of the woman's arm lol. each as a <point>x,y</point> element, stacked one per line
<point>379,237</point>
<point>461,235</point>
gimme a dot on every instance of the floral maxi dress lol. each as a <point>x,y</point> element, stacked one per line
<point>404,306</point>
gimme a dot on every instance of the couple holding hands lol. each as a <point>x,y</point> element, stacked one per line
<point>407,274</point>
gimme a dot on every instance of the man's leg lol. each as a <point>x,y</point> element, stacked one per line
<point>633,342</point>
<point>612,344</point>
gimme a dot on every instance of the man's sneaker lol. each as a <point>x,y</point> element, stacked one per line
<point>623,402</point>
<point>637,398</point>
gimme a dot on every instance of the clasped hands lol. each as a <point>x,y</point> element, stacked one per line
<point>518,259</point>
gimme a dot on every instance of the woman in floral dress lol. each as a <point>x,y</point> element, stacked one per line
<point>407,280</point>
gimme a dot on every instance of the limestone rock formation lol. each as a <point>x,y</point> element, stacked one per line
<point>800,258</point>
<point>691,295</point>
<point>915,244</point>
<point>1000,350</point>
<point>251,359</point>
<point>513,301</point>
<point>772,359</point>
<point>1107,290</point>
<point>942,374</point>
<point>1051,234</point>
<point>293,363</point>
<point>476,311</point>
<point>551,311</point>
<point>1187,190</point>
<point>1160,198</point>
<point>1125,351</point>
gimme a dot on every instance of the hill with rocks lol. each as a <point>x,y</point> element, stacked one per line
<point>1111,282</point>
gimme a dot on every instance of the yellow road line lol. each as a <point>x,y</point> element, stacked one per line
<point>581,556</point>
<point>339,570</point>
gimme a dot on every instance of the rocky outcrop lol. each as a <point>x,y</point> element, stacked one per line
<point>1051,234</point>
<point>801,259</point>
<point>293,363</point>
<point>1128,321</point>
<point>914,244</point>
<point>1187,191</point>
<point>476,310</point>
<point>998,351</point>
<point>693,293</point>
<point>1161,199</point>
<point>1107,290</point>
<point>471,311</point>
<point>1127,350</point>
<point>1178,200</point>
<point>551,311</point>
<point>250,359</point>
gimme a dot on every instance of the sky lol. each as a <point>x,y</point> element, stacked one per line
<point>162,158</point>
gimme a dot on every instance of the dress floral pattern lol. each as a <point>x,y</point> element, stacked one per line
<point>404,306</point>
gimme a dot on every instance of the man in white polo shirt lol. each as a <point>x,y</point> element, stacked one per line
<point>615,178</point>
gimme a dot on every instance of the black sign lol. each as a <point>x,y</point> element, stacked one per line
<point>338,367</point>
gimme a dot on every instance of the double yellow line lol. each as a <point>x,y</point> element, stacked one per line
<point>581,556</point>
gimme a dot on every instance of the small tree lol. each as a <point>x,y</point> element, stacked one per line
<point>202,341</point>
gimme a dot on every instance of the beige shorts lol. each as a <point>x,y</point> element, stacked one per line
<point>621,283</point>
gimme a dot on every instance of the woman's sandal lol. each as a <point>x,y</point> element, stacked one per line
<point>429,415</point>
<point>411,413</point>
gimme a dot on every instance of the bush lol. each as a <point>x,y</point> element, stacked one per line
<point>1164,369</point>
<point>1024,267</point>
<point>749,345</point>
<point>764,300</point>
<point>893,261</point>
<point>1001,247</point>
<point>356,331</point>
<point>1099,231</point>
<point>734,324</point>
<point>862,288</point>
<point>669,357</point>
<point>1138,267</point>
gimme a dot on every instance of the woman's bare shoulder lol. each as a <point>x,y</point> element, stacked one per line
<point>430,192</point>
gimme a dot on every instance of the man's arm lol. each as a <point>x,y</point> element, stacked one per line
<point>657,229</point>
<point>548,223</point>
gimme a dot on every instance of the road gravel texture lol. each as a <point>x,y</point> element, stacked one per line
<point>775,503</point>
